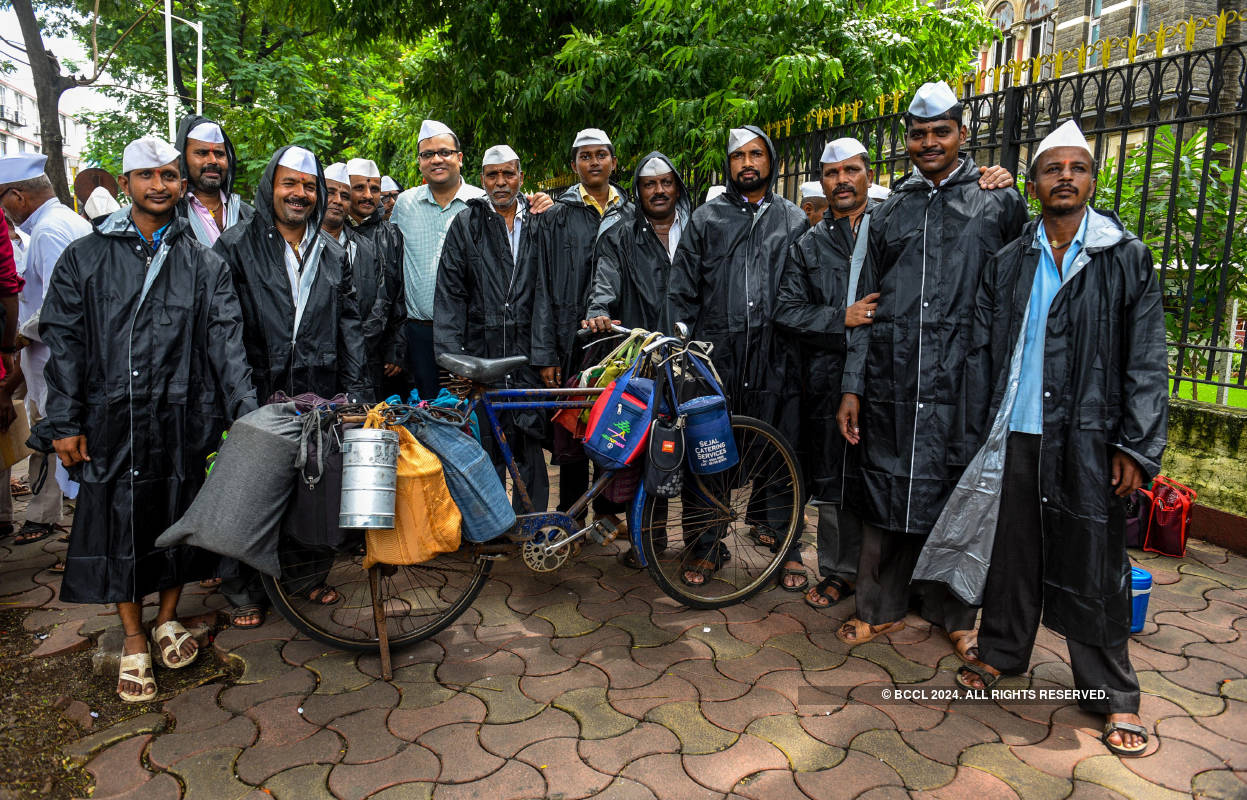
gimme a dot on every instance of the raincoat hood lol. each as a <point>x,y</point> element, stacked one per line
<point>683,205</point>
<point>188,124</point>
<point>733,191</point>
<point>264,192</point>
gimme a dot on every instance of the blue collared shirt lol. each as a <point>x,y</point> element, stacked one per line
<point>1027,414</point>
<point>424,224</point>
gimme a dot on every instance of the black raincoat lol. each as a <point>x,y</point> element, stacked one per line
<point>366,274</point>
<point>1105,390</point>
<point>631,265</point>
<point>483,301</point>
<point>151,378</point>
<point>237,209</point>
<point>723,284</point>
<point>385,313</point>
<point>563,252</point>
<point>326,353</point>
<point>811,307</point>
<point>927,251</point>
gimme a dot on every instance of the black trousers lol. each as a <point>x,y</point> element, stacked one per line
<point>884,570</point>
<point>1013,597</point>
<point>574,482</point>
<point>420,361</point>
<point>839,542</point>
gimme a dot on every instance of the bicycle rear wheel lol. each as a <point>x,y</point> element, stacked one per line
<point>419,599</point>
<point>710,522</point>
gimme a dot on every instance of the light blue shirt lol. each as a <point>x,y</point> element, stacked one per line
<point>1027,414</point>
<point>424,224</point>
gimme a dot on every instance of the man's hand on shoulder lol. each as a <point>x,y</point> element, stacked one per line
<point>539,202</point>
<point>995,177</point>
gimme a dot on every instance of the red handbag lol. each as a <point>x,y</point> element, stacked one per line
<point>1170,518</point>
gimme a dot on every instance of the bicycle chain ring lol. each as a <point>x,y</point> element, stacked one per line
<point>534,551</point>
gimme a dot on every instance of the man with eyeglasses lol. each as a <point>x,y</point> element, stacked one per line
<point>389,193</point>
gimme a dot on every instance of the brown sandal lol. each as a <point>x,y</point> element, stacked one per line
<point>965,645</point>
<point>864,632</point>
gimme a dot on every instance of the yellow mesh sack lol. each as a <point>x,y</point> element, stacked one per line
<point>426,519</point>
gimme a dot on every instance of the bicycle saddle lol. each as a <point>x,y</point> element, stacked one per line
<point>481,370</point>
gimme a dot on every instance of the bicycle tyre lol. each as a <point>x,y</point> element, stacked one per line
<point>766,457</point>
<point>349,624</point>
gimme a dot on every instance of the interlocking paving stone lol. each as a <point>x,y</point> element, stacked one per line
<point>416,790</point>
<point>918,771</point>
<point>665,776</point>
<point>1209,737</point>
<point>418,688</point>
<point>901,669</point>
<point>566,774</point>
<point>337,673</point>
<point>357,781</point>
<point>637,701</point>
<point>494,610</point>
<point>596,717</point>
<point>642,629</point>
<point>1196,704</point>
<point>736,715</point>
<point>662,657</point>
<point>577,647</point>
<point>840,726</point>
<point>539,657</point>
<point>1229,722</point>
<point>723,643</point>
<point>763,630</point>
<point>1218,785</point>
<point>622,672</point>
<point>507,740</point>
<point>803,751</point>
<point>196,709</point>
<point>300,651</point>
<point>515,781</point>
<point>1012,728</point>
<point>1170,639</point>
<point>235,732</point>
<point>307,782</point>
<point>459,751</point>
<point>261,661</point>
<point>769,784</point>
<point>998,759</point>
<point>297,682</point>
<point>697,735</point>
<point>811,657</point>
<point>751,667</point>
<point>320,709</point>
<point>1061,751</point>
<point>1092,791</point>
<point>160,787</point>
<point>261,761</point>
<point>210,776</point>
<point>119,769</point>
<point>708,677</point>
<point>1234,690</point>
<point>1109,771</point>
<point>84,749</point>
<point>969,782</point>
<point>946,741</point>
<point>1171,762</point>
<point>281,722</point>
<point>366,735</point>
<point>722,770</point>
<point>504,699</point>
<point>410,724</point>
<point>624,789</point>
<point>852,777</point>
<point>545,688</point>
<point>1221,576</point>
<point>274,627</point>
<point>610,756</point>
<point>464,673</point>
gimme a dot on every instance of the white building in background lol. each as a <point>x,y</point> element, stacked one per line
<point>19,128</point>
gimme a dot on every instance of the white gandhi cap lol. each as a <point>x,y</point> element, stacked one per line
<point>811,189</point>
<point>590,136</point>
<point>147,152</point>
<point>1067,135</point>
<point>738,138</point>
<point>842,150</point>
<point>932,100</point>
<point>299,159</point>
<point>363,166</point>
<point>338,173</point>
<point>388,184</point>
<point>21,167</point>
<point>499,154</point>
<point>430,128</point>
<point>209,132</point>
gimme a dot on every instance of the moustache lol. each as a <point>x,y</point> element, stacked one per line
<point>844,187</point>
<point>933,151</point>
<point>660,197</point>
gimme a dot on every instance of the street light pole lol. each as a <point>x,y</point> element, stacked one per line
<point>199,66</point>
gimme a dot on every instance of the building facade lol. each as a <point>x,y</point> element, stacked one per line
<point>19,128</point>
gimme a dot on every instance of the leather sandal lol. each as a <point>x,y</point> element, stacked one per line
<point>137,668</point>
<point>842,588</point>
<point>244,611</point>
<point>700,567</point>
<point>864,632</point>
<point>1124,727</point>
<point>988,676</point>
<point>787,571</point>
<point>177,634</point>
<point>965,645</point>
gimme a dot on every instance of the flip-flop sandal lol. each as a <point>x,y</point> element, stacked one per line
<point>968,653</point>
<point>1124,727</point>
<point>784,572</point>
<point>842,587</point>
<point>321,595</point>
<point>759,538</point>
<point>700,567</point>
<point>58,568</point>
<point>864,632</point>
<point>988,677</point>
<point>177,634</point>
<point>33,532</point>
<point>137,668</point>
<point>241,612</point>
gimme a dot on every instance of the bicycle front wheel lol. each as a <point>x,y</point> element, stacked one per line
<point>713,525</point>
<point>418,600</point>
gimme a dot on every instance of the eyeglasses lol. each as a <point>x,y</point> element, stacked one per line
<point>428,155</point>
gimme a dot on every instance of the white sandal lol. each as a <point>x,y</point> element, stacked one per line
<point>137,668</point>
<point>178,635</point>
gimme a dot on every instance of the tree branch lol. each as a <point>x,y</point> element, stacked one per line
<point>100,67</point>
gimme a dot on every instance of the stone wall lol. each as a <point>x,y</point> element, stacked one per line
<point>1208,452</point>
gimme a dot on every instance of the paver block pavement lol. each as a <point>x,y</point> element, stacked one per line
<point>1108,771</point>
<point>260,762</point>
<point>210,776</point>
<point>918,771</point>
<point>308,782</point>
<point>610,756</point>
<point>697,735</point>
<point>803,751</point>
<point>596,717</point>
<point>235,732</point>
<point>565,773</point>
<point>997,759</point>
<point>507,740</point>
<point>119,769</point>
<point>515,781</point>
<point>855,775</point>
<point>84,749</point>
<point>458,749</point>
<point>357,781</point>
<point>504,700</point>
<point>366,736</point>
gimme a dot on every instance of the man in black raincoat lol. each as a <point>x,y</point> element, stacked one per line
<point>208,164</point>
<point>367,273</point>
<point>723,285</point>
<point>822,271</point>
<point>384,317</point>
<point>632,260</point>
<point>301,323</point>
<point>147,369</point>
<point>928,243</point>
<point>1069,344</point>
<point>562,254</point>
<point>483,303</point>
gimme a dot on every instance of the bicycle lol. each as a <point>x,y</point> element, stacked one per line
<point>415,602</point>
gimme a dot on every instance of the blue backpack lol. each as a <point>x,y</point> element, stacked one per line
<point>619,421</point>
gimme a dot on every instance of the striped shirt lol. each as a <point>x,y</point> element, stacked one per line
<point>424,224</point>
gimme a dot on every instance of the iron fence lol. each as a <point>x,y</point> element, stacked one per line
<point>1170,137</point>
